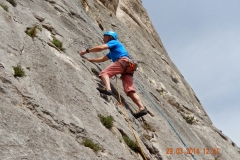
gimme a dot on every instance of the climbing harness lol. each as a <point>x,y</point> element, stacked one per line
<point>131,63</point>
<point>129,123</point>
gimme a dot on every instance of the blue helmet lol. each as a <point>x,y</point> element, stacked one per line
<point>111,33</point>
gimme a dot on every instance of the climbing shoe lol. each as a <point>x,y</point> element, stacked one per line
<point>104,91</point>
<point>140,113</point>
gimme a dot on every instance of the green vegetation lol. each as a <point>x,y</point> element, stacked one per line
<point>147,137</point>
<point>106,121</point>
<point>58,44</point>
<point>88,143</point>
<point>160,91</point>
<point>32,32</point>
<point>120,112</point>
<point>84,1</point>
<point>94,71</point>
<point>28,68</point>
<point>39,28</point>
<point>4,7</point>
<point>147,126</point>
<point>18,71</point>
<point>189,119</point>
<point>131,144</point>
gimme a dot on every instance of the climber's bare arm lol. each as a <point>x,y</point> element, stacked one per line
<point>100,59</point>
<point>98,48</point>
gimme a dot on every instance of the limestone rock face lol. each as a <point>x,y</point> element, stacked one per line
<point>55,107</point>
<point>111,5</point>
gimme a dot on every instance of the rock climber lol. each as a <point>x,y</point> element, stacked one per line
<point>119,55</point>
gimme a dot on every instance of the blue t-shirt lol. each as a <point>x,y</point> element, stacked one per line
<point>117,50</point>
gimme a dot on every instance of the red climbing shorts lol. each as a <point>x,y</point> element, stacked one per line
<point>117,68</point>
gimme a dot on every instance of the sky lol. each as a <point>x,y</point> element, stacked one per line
<point>202,38</point>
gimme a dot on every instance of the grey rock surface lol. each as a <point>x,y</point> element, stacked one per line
<point>50,112</point>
